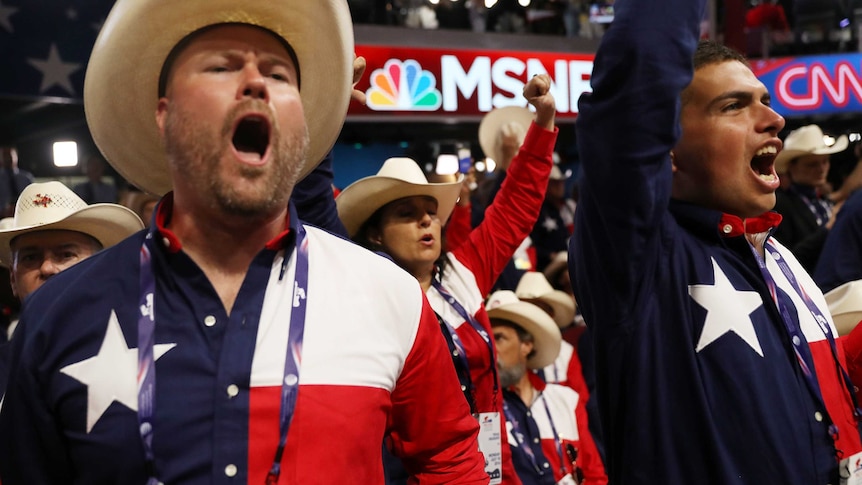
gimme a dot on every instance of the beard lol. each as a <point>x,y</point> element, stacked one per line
<point>197,148</point>
<point>511,375</point>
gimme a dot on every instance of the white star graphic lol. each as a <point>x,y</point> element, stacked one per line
<point>55,71</point>
<point>5,13</point>
<point>111,375</point>
<point>550,224</point>
<point>727,310</point>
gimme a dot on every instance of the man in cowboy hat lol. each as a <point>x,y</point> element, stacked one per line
<point>713,346</point>
<point>230,342</point>
<point>806,212</point>
<point>547,423</point>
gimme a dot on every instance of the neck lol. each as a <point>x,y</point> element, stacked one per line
<point>425,275</point>
<point>525,389</point>
<point>758,241</point>
<point>224,246</point>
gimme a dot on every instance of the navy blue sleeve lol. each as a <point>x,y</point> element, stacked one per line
<point>626,128</point>
<point>314,199</point>
<point>841,259</point>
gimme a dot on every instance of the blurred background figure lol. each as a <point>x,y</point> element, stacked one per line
<point>12,179</point>
<point>96,190</point>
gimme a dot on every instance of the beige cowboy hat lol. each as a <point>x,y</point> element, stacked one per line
<point>399,177</point>
<point>121,87</point>
<point>505,305</point>
<point>808,140</point>
<point>489,128</point>
<point>534,286</point>
<point>845,305</point>
<point>52,205</point>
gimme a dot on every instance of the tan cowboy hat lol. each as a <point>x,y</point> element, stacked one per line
<point>489,128</point>
<point>52,205</point>
<point>560,262</point>
<point>122,80</point>
<point>845,305</point>
<point>534,286</point>
<point>399,177</point>
<point>505,305</point>
<point>807,140</point>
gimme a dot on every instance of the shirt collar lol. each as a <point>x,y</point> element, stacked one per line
<point>715,224</point>
<point>171,242</point>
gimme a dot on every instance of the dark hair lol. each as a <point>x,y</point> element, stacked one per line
<point>184,42</point>
<point>711,52</point>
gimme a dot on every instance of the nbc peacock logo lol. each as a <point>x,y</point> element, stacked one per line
<point>403,86</point>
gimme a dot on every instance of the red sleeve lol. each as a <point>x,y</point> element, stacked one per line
<point>458,228</point>
<point>852,344</point>
<point>588,460</point>
<point>514,211</point>
<point>430,425</point>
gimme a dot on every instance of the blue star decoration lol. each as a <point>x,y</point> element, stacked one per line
<point>46,45</point>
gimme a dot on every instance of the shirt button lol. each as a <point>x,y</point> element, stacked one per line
<point>727,228</point>
<point>455,353</point>
<point>546,465</point>
<point>230,470</point>
<point>818,416</point>
<point>535,440</point>
<point>463,388</point>
<point>209,320</point>
<point>796,340</point>
<point>528,414</point>
<point>232,390</point>
<point>166,242</point>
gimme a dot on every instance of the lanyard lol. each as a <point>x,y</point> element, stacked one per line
<point>821,210</point>
<point>476,326</point>
<point>557,440</point>
<point>290,380</point>
<point>519,437</point>
<point>796,337</point>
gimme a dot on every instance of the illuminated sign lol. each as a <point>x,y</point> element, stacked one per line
<point>813,85</point>
<point>419,82</point>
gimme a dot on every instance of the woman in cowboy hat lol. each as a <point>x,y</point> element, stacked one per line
<point>399,213</point>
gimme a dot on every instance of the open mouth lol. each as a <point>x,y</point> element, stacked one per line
<point>251,135</point>
<point>427,238</point>
<point>763,163</point>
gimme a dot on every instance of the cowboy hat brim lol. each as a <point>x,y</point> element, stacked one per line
<point>785,156</point>
<point>489,127</point>
<point>359,201</point>
<point>563,306</point>
<point>121,84</point>
<point>845,305</point>
<point>107,223</point>
<point>546,335</point>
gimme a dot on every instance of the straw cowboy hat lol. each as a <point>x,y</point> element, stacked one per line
<point>845,305</point>
<point>505,305</point>
<point>807,140</point>
<point>534,286</point>
<point>489,128</point>
<point>121,87</point>
<point>52,205</point>
<point>398,178</point>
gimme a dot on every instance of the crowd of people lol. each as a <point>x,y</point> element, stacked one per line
<point>236,319</point>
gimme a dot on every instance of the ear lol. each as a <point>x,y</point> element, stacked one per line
<point>12,282</point>
<point>673,166</point>
<point>374,236</point>
<point>161,113</point>
<point>526,348</point>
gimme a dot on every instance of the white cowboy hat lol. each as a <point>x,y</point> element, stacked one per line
<point>399,177</point>
<point>505,305</point>
<point>121,87</point>
<point>560,262</point>
<point>845,305</point>
<point>534,286</point>
<point>807,140</point>
<point>489,128</point>
<point>52,205</point>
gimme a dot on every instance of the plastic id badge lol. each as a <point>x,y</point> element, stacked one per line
<point>850,470</point>
<point>490,444</point>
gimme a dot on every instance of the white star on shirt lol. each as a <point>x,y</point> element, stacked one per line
<point>550,224</point>
<point>55,71</point>
<point>5,13</point>
<point>111,375</point>
<point>727,310</point>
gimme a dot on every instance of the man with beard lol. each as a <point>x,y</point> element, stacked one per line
<point>229,343</point>
<point>548,432</point>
